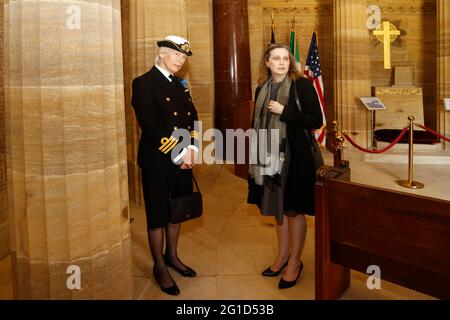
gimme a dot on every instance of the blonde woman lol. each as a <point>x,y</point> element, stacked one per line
<point>163,105</point>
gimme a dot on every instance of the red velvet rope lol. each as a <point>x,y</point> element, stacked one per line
<point>377,151</point>
<point>433,132</point>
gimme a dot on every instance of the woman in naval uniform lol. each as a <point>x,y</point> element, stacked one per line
<point>162,104</point>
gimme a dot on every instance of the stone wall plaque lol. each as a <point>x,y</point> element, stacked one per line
<point>403,76</point>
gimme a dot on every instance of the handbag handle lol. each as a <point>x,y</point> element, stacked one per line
<point>307,132</point>
<point>175,182</point>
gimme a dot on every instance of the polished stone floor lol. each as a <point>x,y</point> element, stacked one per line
<point>231,243</point>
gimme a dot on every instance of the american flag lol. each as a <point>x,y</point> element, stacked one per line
<point>314,74</point>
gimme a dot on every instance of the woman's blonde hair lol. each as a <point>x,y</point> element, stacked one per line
<point>264,71</point>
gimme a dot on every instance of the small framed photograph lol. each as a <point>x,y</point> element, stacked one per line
<point>447,103</point>
<point>373,103</point>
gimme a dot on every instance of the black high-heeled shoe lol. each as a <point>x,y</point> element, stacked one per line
<point>189,272</point>
<point>172,290</point>
<point>283,284</point>
<point>270,273</point>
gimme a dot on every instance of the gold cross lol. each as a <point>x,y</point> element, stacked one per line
<point>387,33</point>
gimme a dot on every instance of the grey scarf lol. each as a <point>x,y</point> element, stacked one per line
<point>269,137</point>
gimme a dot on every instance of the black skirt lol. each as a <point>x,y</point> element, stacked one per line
<point>157,187</point>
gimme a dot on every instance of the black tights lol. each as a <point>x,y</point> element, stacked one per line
<point>156,242</point>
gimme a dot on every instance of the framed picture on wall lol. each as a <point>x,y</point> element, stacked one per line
<point>373,103</point>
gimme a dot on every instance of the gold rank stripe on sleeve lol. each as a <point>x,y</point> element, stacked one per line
<point>168,144</point>
<point>194,134</point>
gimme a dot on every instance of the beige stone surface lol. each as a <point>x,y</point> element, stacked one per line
<point>352,67</point>
<point>66,149</point>
<point>201,63</point>
<point>404,76</point>
<point>443,66</point>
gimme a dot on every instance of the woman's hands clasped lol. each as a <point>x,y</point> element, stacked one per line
<point>275,107</point>
<point>188,160</point>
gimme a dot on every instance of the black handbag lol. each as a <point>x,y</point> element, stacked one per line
<point>186,207</point>
<point>312,142</point>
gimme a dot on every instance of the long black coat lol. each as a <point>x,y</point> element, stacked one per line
<point>299,192</point>
<point>161,107</point>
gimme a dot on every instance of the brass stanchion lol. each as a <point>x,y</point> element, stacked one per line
<point>338,144</point>
<point>410,183</point>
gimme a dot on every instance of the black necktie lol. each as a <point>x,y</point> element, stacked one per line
<point>173,79</point>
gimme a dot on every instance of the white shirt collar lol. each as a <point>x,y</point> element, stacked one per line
<point>164,72</point>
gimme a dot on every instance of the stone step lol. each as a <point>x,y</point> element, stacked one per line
<point>401,156</point>
<point>417,147</point>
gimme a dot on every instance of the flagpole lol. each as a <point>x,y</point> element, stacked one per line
<point>293,23</point>
<point>293,42</point>
<point>315,31</point>
<point>272,38</point>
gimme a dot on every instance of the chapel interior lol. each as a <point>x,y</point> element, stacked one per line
<point>70,190</point>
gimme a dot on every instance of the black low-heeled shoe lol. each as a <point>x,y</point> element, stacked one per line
<point>189,272</point>
<point>270,273</point>
<point>283,284</point>
<point>172,290</point>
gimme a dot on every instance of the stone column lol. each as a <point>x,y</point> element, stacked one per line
<point>133,183</point>
<point>232,72</point>
<point>150,20</point>
<point>201,63</point>
<point>443,65</point>
<point>4,227</point>
<point>352,68</point>
<point>66,152</point>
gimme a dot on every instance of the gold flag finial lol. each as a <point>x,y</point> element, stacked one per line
<point>315,31</point>
<point>293,22</point>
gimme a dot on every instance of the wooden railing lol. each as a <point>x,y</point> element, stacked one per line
<point>405,235</point>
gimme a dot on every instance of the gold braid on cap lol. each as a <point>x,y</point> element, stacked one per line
<point>185,47</point>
